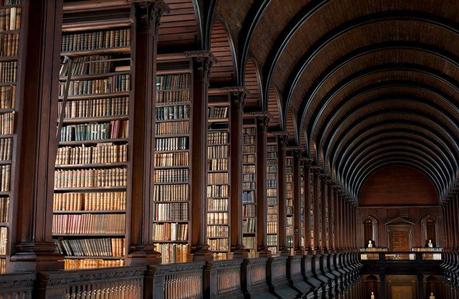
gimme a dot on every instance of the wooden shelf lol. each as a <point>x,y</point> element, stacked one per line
<point>94,257</point>
<point>90,189</point>
<point>95,76</point>
<point>91,235</point>
<point>94,119</point>
<point>91,212</point>
<point>83,166</point>
<point>93,141</point>
<point>96,52</point>
<point>97,96</point>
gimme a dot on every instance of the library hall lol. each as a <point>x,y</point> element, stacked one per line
<point>229,149</point>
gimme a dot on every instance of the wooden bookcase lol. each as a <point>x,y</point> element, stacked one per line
<point>249,188</point>
<point>10,29</point>
<point>272,172</point>
<point>289,201</point>
<point>218,177</point>
<point>302,204</point>
<point>92,166</point>
<point>172,161</point>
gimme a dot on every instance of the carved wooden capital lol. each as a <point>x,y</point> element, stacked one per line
<point>149,12</point>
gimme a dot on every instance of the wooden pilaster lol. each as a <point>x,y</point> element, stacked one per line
<point>297,247</point>
<point>308,206</point>
<point>147,16</point>
<point>262,207</point>
<point>317,210</point>
<point>237,103</point>
<point>282,202</point>
<point>38,72</point>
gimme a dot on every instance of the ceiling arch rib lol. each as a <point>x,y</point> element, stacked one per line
<point>363,171</point>
<point>442,179</point>
<point>382,88</point>
<point>401,137</point>
<point>347,146</point>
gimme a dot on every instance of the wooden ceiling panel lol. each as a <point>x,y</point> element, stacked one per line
<point>274,107</point>
<point>252,82</point>
<point>224,69</point>
<point>179,27</point>
<point>233,12</point>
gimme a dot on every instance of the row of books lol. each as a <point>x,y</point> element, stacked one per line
<point>164,193</point>
<point>81,178</point>
<point>172,253</point>
<point>173,82</point>
<point>171,96</point>
<point>93,108</point>
<point>249,158</point>
<point>89,224</point>
<point>7,123</point>
<point>248,197</point>
<point>3,240</point>
<point>271,240</point>
<point>217,191</point>
<point>248,211</point>
<point>172,144</point>
<point>103,247</point>
<point>218,137</point>
<point>5,149</point>
<point>218,112</point>
<point>8,97</point>
<point>102,153</point>
<point>214,204</point>
<point>249,225</point>
<point>10,17</point>
<point>5,173</point>
<point>113,84</point>
<point>8,71</point>
<point>91,264</point>
<point>88,65</point>
<point>9,44</point>
<point>217,231</point>
<point>172,128</point>
<point>170,211</point>
<point>173,112</point>
<point>218,244</point>
<point>97,40</point>
<point>170,232</point>
<point>4,204</point>
<point>271,228</point>
<point>218,153</point>
<point>217,218</point>
<point>176,159</point>
<point>174,175</point>
<point>95,131</point>
<point>221,178</point>
<point>249,242</point>
<point>97,201</point>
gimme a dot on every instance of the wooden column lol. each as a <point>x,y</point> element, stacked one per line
<point>147,17</point>
<point>455,221</point>
<point>262,207</point>
<point>202,62</point>
<point>332,207</point>
<point>36,144</point>
<point>448,224</point>
<point>283,249</point>
<point>308,206</point>
<point>317,210</point>
<point>298,248</point>
<point>445,225</point>
<point>237,105</point>
<point>341,221</point>
<point>324,199</point>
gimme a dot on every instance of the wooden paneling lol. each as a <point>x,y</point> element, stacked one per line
<point>397,185</point>
<point>179,27</point>
<point>224,69</point>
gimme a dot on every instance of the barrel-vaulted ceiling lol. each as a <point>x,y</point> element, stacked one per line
<point>361,84</point>
<point>365,83</point>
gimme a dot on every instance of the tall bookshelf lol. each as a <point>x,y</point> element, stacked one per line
<point>272,196</point>
<point>10,27</point>
<point>249,188</point>
<point>91,171</point>
<point>172,165</point>
<point>218,174</point>
<point>302,205</point>
<point>289,201</point>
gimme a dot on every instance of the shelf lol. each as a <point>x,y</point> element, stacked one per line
<point>9,110</point>
<point>172,167</point>
<point>172,151</point>
<point>170,242</point>
<point>96,52</point>
<point>169,104</point>
<point>160,121</point>
<point>5,162</point>
<point>171,183</point>
<point>8,58</point>
<point>97,96</point>
<point>170,221</point>
<point>80,166</point>
<point>90,189</point>
<point>7,83</point>
<point>94,76</point>
<point>90,235</point>
<point>93,141</point>
<point>91,212</point>
<point>94,257</point>
<point>94,119</point>
<point>4,193</point>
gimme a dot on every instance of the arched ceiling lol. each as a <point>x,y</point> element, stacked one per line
<point>362,84</point>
